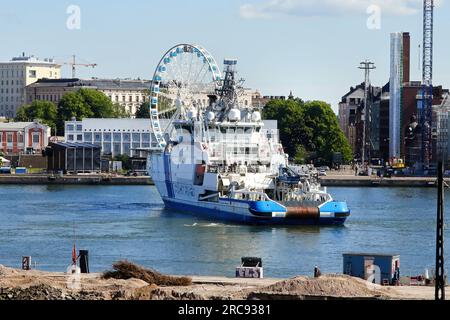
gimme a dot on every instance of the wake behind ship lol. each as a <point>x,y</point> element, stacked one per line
<point>216,159</point>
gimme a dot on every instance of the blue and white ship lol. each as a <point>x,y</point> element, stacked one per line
<point>217,161</point>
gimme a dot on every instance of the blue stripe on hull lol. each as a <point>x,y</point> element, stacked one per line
<point>226,216</point>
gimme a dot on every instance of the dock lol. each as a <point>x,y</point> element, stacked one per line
<point>43,179</point>
<point>362,181</point>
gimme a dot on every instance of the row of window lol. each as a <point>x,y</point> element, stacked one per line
<point>20,137</point>
<point>79,127</point>
<point>11,73</point>
<point>12,83</point>
<point>10,99</point>
<point>108,137</point>
<point>116,98</point>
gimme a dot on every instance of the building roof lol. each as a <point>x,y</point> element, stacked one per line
<point>100,84</point>
<point>372,254</point>
<point>74,145</point>
<point>17,125</point>
<point>31,60</point>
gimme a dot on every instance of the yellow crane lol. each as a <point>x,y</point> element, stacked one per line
<point>74,65</point>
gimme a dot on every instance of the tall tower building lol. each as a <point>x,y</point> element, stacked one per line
<point>16,74</point>
<point>400,75</point>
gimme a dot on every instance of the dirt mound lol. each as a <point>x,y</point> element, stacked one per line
<point>127,270</point>
<point>331,286</point>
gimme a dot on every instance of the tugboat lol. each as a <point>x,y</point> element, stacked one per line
<point>220,163</point>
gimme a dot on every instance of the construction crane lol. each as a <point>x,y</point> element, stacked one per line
<point>74,64</point>
<point>426,111</point>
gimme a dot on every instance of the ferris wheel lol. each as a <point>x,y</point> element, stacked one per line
<point>182,81</point>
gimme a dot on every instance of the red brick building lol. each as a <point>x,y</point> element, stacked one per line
<point>23,137</point>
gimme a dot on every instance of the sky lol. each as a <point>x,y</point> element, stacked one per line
<point>312,47</point>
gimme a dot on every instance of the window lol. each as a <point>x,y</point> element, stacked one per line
<point>88,137</point>
<point>136,137</point>
<point>107,137</point>
<point>32,73</point>
<point>146,137</point>
<point>126,137</point>
<point>35,137</point>
<point>70,137</point>
<point>79,137</point>
<point>98,137</point>
<point>9,138</point>
<point>117,137</point>
<point>79,127</point>
<point>70,127</point>
<point>20,138</point>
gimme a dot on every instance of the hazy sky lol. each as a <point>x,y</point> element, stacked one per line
<point>312,47</point>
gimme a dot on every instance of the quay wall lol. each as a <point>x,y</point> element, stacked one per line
<point>404,182</point>
<point>330,181</point>
<point>73,180</point>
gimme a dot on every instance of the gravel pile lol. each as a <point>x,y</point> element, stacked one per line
<point>329,286</point>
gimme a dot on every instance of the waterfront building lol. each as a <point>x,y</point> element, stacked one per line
<point>18,73</point>
<point>351,119</point>
<point>23,137</point>
<point>348,108</point>
<point>73,157</point>
<point>114,136</point>
<point>122,136</point>
<point>130,94</point>
<point>442,130</point>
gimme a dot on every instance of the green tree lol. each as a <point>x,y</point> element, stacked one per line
<point>126,161</point>
<point>99,104</point>
<point>143,112</point>
<point>72,105</point>
<point>87,103</point>
<point>44,111</point>
<point>120,111</point>
<point>309,131</point>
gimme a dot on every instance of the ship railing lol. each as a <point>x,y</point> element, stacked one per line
<point>250,195</point>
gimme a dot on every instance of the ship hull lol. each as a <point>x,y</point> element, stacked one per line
<point>227,212</point>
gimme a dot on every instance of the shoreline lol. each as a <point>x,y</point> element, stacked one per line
<point>39,285</point>
<point>394,182</point>
<point>105,180</point>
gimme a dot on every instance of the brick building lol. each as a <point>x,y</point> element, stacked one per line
<point>23,137</point>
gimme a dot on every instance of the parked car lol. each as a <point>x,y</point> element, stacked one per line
<point>5,170</point>
<point>322,173</point>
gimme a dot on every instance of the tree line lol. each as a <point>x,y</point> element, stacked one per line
<point>309,131</point>
<point>84,103</point>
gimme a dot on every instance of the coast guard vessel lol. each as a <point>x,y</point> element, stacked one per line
<point>216,158</point>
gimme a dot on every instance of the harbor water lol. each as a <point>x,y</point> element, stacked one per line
<point>117,222</point>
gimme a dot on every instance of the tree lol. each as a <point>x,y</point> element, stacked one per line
<point>309,131</point>
<point>99,104</point>
<point>44,111</point>
<point>143,112</point>
<point>126,161</point>
<point>72,105</point>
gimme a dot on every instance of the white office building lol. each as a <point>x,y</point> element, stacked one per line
<point>18,73</point>
<point>123,136</point>
<point>115,136</point>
